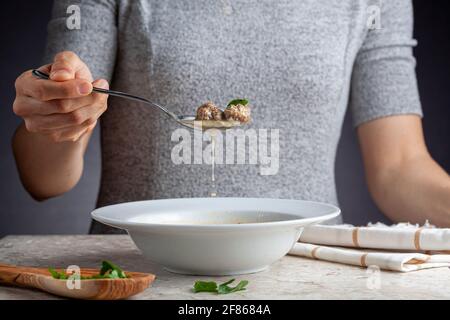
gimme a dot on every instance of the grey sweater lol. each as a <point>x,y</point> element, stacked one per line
<point>300,63</point>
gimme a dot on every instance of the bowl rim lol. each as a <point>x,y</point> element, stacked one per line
<point>96,215</point>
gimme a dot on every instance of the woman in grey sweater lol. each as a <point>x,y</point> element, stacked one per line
<point>301,63</point>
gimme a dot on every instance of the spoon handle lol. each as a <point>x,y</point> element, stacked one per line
<point>42,75</point>
<point>19,276</point>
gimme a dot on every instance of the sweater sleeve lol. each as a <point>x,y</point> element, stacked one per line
<point>383,80</point>
<point>96,40</point>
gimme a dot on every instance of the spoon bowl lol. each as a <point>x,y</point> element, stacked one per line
<point>190,122</point>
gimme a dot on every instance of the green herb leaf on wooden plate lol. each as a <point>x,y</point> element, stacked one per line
<point>108,271</point>
<point>57,275</point>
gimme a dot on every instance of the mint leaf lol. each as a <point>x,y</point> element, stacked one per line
<point>234,102</point>
<point>55,274</point>
<point>114,274</point>
<point>108,271</point>
<point>225,289</point>
<point>226,283</point>
<point>109,267</point>
<point>205,286</point>
<point>58,275</point>
<point>106,267</point>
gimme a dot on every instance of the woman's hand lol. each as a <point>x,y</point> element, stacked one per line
<point>58,115</point>
<point>63,108</point>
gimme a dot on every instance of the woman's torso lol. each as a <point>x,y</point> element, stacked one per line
<point>292,60</point>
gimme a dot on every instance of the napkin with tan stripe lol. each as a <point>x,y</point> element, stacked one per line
<point>402,247</point>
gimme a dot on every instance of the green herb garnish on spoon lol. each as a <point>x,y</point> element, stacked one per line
<point>235,102</point>
<point>108,271</point>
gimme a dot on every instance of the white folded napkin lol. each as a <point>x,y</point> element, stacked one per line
<point>402,247</point>
<point>394,261</point>
<point>403,236</point>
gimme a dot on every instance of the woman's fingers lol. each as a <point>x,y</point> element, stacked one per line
<point>88,114</point>
<point>64,107</point>
<point>27,106</point>
<point>72,133</point>
<point>45,90</point>
<point>46,116</point>
<point>64,110</point>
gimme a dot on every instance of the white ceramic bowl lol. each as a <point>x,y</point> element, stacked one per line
<point>215,236</point>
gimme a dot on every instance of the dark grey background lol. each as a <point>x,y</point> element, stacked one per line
<point>23,28</point>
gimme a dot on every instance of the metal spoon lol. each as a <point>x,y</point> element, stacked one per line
<point>184,120</point>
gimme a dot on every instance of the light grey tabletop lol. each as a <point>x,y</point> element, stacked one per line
<point>290,278</point>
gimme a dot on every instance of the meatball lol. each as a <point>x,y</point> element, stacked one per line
<point>237,112</point>
<point>209,111</point>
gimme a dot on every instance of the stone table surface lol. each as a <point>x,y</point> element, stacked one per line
<point>290,278</point>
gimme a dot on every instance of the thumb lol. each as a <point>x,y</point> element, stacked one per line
<point>66,66</point>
